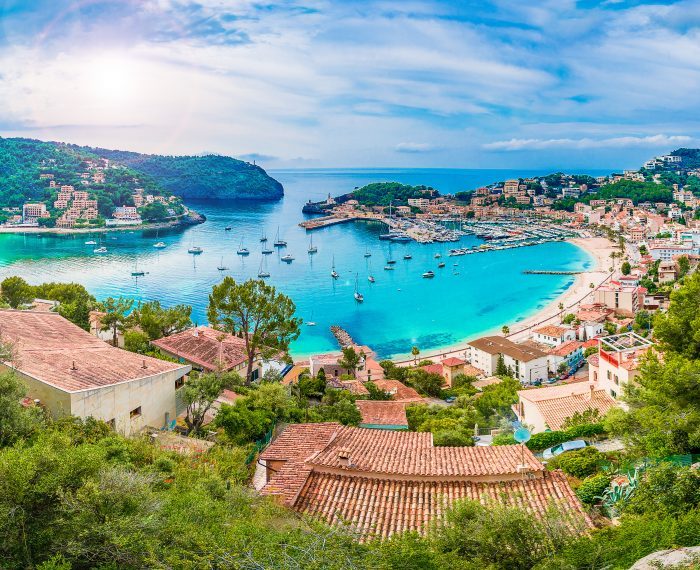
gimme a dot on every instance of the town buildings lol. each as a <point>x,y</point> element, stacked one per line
<point>68,371</point>
<point>528,363</point>
<point>618,361</point>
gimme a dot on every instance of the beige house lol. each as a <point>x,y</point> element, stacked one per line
<point>527,362</point>
<point>624,300</point>
<point>618,361</point>
<point>71,372</point>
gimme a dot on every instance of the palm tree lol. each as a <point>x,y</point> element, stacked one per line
<point>505,330</point>
<point>415,352</point>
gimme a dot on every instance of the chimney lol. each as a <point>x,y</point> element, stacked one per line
<point>144,364</point>
<point>344,457</point>
<point>73,366</point>
<point>591,388</point>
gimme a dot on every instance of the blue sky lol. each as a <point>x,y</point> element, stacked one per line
<point>506,83</point>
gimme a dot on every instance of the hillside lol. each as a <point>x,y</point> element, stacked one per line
<point>384,193</point>
<point>209,177</point>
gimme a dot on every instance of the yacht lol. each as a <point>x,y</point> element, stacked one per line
<point>228,228</point>
<point>137,272</point>
<point>408,256</point>
<point>263,238</point>
<point>287,258</point>
<point>263,272</point>
<point>429,274</point>
<point>441,264</point>
<point>437,256</point>
<point>159,245</point>
<point>312,247</point>
<point>388,268</point>
<point>367,253</point>
<point>334,273</point>
<point>195,250</point>
<point>370,278</point>
<point>102,249</point>
<point>221,266</point>
<point>359,297</point>
<point>390,261</point>
<point>279,242</point>
<point>91,242</point>
<point>266,251</point>
<point>243,250</point>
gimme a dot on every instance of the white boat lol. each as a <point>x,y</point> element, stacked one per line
<point>359,297</point>
<point>287,258</point>
<point>263,238</point>
<point>159,245</point>
<point>91,242</point>
<point>266,251</point>
<point>195,250</point>
<point>242,250</point>
<point>388,268</point>
<point>334,273</point>
<point>370,278</point>
<point>279,242</point>
<point>137,272</point>
<point>428,275</point>
<point>367,253</point>
<point>408,256</point>
<point>263,272</point>
<point>100,250</point>
<point>221,266</point>
<point>310,324</point>
<point>312,247</point>
<point>437,256</point>
<point>441,264</point>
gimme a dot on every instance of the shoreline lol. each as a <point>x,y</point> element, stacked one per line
<point>599,248</point>
<point>190,220</point>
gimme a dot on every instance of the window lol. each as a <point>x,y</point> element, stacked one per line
<point>179,383</point>
<point>255,374</point>
<point>613,393</point>
<point>135,413</point>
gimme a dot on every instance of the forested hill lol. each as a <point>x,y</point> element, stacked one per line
<point>208,177</point>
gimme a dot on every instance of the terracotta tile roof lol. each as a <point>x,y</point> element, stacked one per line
<point>432,368</point>
<point>557,403</point>
<point>354,387</point>
<point>551,330</point>
<point>566,348</point>
<point>300,441</point>
<point>490,381</point>
<point>55,351</point>
<point>375,507</point>
<point>382,413</point>
<point>452,361</point>
<point>399,391</point>
<point>205,347</point>
<point>593,360</point>
<point>501,345</point>
<point>470,370</point>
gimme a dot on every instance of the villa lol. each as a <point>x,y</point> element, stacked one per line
<point>379,482</point>
<point>70,372</point>
<point>528,363</point>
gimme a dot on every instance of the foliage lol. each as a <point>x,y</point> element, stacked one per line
<point>16,421</point>
<point>16,292</point>
<point>157,321</point>
<point>136,341</point>
<point>427,383</point>
<point>497,399</point>
<point>501,368</point>
<point>116,316</point>
<point>666,489</point>
<point>199,394</point>
<point>568,319</point>
<point>678,329</point>
<point>384,193</point>
<point>626,268</point>
<point>259,314</point>
<point>589,416</point>
<point>579,463</point>
<point>547,439</point>
<point>75,303</point>
<point>376,393</point>
<point>350,360</point>
<point>592,487</point>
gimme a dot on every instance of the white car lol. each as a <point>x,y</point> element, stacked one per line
<point>562,447</point>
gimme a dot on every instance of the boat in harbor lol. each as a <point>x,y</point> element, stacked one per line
<point>429,274</point>
<point>287,258</point>
<point>367,253</point>
<point>279,242</point>
<point>137,272</point>
<point>102,249</point>
<point>408,256</point>
<point>359,297</point>
<point>242,250</point>
<point>228,228</point>
<point>370,278</point>
<point>159,245</point>
<point>312,247</point>
<point>263,237</point>
<point>437,256</point>
<point>221,266</point>
<point>390,261</point>
<point>195,250</point>
<point>263,272</point>
<point>91,242</point>
<point>334,273</point>
<point>441,264</point>
<point>388,268</point>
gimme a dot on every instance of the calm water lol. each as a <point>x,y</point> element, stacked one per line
<point>400,310</point>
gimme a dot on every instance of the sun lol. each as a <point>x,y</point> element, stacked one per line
<point>112,79</point>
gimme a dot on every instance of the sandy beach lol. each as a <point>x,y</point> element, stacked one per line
<point>580,292</point>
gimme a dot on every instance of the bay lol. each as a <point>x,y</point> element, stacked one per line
<point>400,310</point>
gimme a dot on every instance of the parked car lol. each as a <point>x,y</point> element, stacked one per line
<point>562,447</point>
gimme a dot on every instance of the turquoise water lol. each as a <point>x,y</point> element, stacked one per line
<point>400,310</point>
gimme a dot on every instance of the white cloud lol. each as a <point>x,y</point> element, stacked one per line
<point>589,143</point>
<point>413,147</point>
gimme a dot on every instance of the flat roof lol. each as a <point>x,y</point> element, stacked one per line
<point>624,342</point>
<point>501,345</point>
<point>56,352</point>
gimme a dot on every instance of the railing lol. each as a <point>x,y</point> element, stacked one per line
<point>259,445</point>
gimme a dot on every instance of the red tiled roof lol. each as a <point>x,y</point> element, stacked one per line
<point>205,347</point>
<point>551,330</point>
<point>432,368</point>
<point>452,361</point>
<point>382,413</point>
<point>566,348</point>
<point>381,507</point>
<point>53,350</point>
<point>399,391</point>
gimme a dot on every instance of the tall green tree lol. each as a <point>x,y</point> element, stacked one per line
<point>350,360</point>
<point>158,321</point>
<point>678,329</point>
<point>415,351</point>
<point>16,291</point>
<point>75,302</point>
<point>116,317</point>
<point>16,422</point>
<point>257,313</point>
<point>199,394</point>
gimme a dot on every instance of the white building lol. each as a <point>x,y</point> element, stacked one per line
<point>553,335</point>
<point>618,362</point>
<point>527,363</point>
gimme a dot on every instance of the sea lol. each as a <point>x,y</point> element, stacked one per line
<point>470,296</point>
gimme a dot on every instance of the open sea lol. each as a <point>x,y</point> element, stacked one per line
<point>401,309</point>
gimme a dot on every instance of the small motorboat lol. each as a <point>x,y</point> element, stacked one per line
<point>428,274</point>
<point>437,256</point>
<point>228,228</point>
<point>100,250</point>
<point>370,278</point>
<point>287,258</point>
<point>311,324</point>
<point>408,256</point>
<point>91,242</point>
<point>388,268</point>
<point>441,264</point>
<point>159,245</point>
<point>195,250</point>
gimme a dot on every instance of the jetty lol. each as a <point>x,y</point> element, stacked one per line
<point>342,336</point>
<point>541,272</point>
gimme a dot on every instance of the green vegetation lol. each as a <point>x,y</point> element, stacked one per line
<point>384,193</point>
<point>208,177</point>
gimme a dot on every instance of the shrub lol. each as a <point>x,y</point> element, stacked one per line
<point>579,463</point>
<point>504,439</point>
<point>544,440</point>
<point>592,487</point>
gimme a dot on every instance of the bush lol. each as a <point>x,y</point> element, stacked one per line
<point>504,439</point>
<point>592,487</point>
<point>579,463</point>
<point>546,439</point>
<point>136,341</point>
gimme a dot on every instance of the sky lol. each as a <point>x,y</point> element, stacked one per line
<point>319,83</point>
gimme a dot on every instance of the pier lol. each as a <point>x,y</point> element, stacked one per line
<point>342,336</point>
